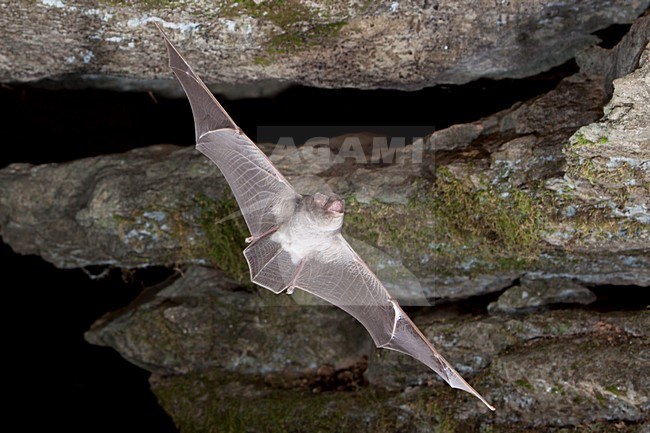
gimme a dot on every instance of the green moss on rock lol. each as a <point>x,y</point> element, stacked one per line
<point>225,232</point>
<point>296,40</point>
<point>300,26</point>
<point>523,383</point>
<point>451,223</point>
<point>231,404</point>
<point>579,140</point>
<point>217,401</point>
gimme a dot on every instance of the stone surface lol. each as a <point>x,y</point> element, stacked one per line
<point>246,48</point>
<point>224,357</point>
<point>200,322</point>
<point>486,202</point>
<point>117,210</point>
<point>534,294</point>
<point>474,343</point>
<point>609,160</point>
<point>602,382</point>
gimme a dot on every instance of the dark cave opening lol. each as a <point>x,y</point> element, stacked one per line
<point>612,35</point>
<point>53,372</point>
<point>62,125</point>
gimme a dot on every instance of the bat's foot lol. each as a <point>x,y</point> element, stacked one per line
<point>295,278</point>
<point>252,239</point>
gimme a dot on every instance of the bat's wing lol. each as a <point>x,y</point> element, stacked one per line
<point>264,196</point>
<point>260,189</point>
<point>346,281</point>
<point>270,265</point>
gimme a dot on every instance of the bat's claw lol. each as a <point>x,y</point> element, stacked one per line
<point>249,239</point>
<point>290,290</point>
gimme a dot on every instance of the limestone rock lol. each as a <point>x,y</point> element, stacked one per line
<point>257,359</point>
<point>520,364</point>
<point>601,383</point>
<point>265,363</point>
<point>609,160</point>
<point>467,212</point>
<point>201,322</point>
<point>256,47</point>
<point>534,294</point>
<point>120,210</point>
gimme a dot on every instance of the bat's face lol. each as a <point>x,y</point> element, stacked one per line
<point>327,210</point>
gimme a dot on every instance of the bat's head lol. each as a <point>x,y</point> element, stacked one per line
<point>328,209</point>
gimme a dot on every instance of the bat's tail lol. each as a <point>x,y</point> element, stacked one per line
<point>408,339</point>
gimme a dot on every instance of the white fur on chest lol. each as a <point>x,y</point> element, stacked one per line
<point>301,238</point>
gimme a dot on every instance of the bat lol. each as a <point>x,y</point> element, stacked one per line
<point>296,240</point>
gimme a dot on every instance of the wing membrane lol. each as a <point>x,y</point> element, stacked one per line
<point>347,282</point>
<point>262,193</point>
<point>259,188</point>
<point>271,266</point>
<point>209,115</point>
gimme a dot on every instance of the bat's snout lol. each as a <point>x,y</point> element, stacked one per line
<point>332,204</point>
<point>335,205</point>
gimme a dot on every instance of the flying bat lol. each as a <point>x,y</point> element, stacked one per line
<point>296,240</point>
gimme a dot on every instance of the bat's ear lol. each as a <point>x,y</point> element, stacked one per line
<point>320,199</point>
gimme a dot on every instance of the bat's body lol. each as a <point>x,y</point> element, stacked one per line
<point>309,232</point>
<point>296,240</point>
